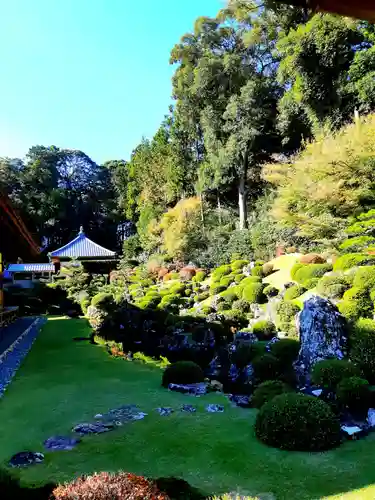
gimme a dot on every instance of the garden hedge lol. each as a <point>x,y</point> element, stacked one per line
<point>293,292</point>
<point>298,423</point>
<point>182,372</point>
<point>329,372</point>
<point>253,293</point>
<point>354,393</point>
<point>264,329</point>
<point>267,391</point>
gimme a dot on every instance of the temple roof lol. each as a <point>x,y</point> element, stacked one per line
<point>82,247</point>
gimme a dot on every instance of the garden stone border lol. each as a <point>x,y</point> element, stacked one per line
<point>11,359</point>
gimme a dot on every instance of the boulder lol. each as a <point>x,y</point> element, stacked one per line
<point>26,458</point>
<point>323,334</point>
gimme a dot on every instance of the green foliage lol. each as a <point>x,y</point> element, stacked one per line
<point>102,300</point>
<point>297,422</point>
<point>311,283</point>
<point>296,267</point>
<point>85,302</point>
<point>286,350</point>
<point>182,372</point>
<point>131,247</point>
<point>293,292</point>
<point>226,280</point>
<point>264,329</point>
<point>345,262</point>
<point>170,301</point>
<point>199,277</point>
<point>216,288</point>
<point>286,312</point>
<point>266,367</point>
<point>271,291</point>
<point>329,372</point>
<point>241,305</point>
<point>235,317</point>
<point>365,278</point>
<point>333,286</point>
<point>308,271</point>
<point>253,293</point>
<point>356,303</point>
<point>357,244</point>
<point>220,272</point>
<point>362,350</point>
<point>237,265</point>
<point>203,296</point>
<point>257,271</point>
<point>267,391</point>
<point>354,393</point>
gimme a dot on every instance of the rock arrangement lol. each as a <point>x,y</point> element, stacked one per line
<point>11,358</point>
<point>322,333</point>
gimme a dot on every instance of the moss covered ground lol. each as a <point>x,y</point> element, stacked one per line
<point>63,382</point>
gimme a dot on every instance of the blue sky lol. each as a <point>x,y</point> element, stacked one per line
<point>88,74</point>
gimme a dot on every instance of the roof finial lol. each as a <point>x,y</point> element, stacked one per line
<point>81,230</point>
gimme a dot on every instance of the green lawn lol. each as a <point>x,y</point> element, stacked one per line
<point>63,382</point>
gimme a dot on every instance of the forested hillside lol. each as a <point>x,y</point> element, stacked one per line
<point>253,153</point>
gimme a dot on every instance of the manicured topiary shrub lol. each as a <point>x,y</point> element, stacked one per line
<point>297,422</point>
<point>241,305</point>
<point>329,372</point>
<point>264,329</point>
<point>182,372</point>
<point>239,278</point>
<point>102,300</point>
<point>361,227</point>
<point>235,318</point>
<point>266,367</point>
<point>333,285</point>
<point>286,312</point>
<point>296,267</point>
<point>364,278</point>
<point>350,260</point>
<point>286,350</point>
<point>356,303</point>
<point>253,293</point>
<point>229,295</point>
<point>226,281</point>
<point>271,291</point>
<point>216,288</point>
<point>249,280</point>
<point>294,291</point>
<point>309,271</point>
<point>221,271</point>
<point>357,244</point>
<point>267,268</point>
<point>267,391</point>
<point>311,283</point>
<point>203,296</point>
<point>170,301</point>
<point>257,271</point>
<point>177,288</point>
<point>104,485</point>
<point>354,393</point>
<point>199,277</point>
<point>239,264</point>
<point>312,258</point>
<point>362,342</point>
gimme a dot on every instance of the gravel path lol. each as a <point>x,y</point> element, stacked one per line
<point>15,342</point>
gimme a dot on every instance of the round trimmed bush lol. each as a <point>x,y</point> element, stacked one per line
<point>264,329</point>
<point>257,271</point>
<point>182,372</point>
<point>253,293</point>
<point>364,278</point>
<point>312,258</point>
<point>239,277</point>
<point>286,312</point>
<point>362,350</point>
<point>333,285</point>
<point>239,264</point>
<point>286,350</point>
<point>308,271</point>
<point>298,423</point>
<point>271,291</point>
<point>267,391</point>
<point>295,268</point>
<point>354,393</point>
<point>216,288</point>
<point>356,303</point>
<point>357,244</point>
<point>102,300</point>
<point>311,283</point>
<point>293,292</point>
<point>266,367</point>
<point>267,268</point>
<point>221,271</point>
<point>241,305</point>
<point>350,260</point>
<point>329,372</point>
<point>199,277</point>
<point>352,310</point>
<point>203,296</point>
<point>226,281</point>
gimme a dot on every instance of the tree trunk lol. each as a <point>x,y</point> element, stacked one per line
<point>242,207</point>
<point>219,206</point>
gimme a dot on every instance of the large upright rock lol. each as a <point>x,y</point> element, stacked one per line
<point>322,332</point>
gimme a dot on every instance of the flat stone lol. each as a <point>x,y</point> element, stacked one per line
<point>371,417</point>
<point>26,458</point>
<point>57,443</point>
<point>240,400</point>
<point>121,415</point>
<point>212,408</point>
<point>193,389</point>
<point>92,428</point>
<point>165,411</point>
<point>188,408</point>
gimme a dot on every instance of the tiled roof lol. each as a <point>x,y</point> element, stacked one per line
<point>81,247</point>
<point>30,268</point>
